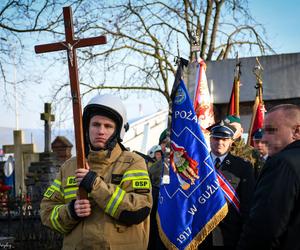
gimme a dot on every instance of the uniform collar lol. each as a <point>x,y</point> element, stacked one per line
<point>101,156</point>
<point>222,157</point>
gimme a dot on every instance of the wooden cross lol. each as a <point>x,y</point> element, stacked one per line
<point>71,45</point>
<point>48,118</point>
<point>19,149</point>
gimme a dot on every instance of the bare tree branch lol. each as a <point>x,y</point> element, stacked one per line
<point>144,38</point>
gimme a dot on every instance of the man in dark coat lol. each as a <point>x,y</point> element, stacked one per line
<point>274,220</point>
<point>156,175</point>
<point>240,175</point>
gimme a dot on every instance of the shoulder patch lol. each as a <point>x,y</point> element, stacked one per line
<point>141,184</point>
<point>49,192</point>
<point>71,181</point>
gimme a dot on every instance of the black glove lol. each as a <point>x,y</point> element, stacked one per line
<point>88,181</point>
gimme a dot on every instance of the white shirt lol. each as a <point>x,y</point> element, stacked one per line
<point>222,157</point>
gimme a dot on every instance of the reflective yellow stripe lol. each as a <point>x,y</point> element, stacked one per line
<point>54,219</point>
<point>115,201</point>
<point>130,172</point>
<point>112,199</point>
<point>58,182</point>
<point>56,185</point>
<point>70,192</point>
<point>118,203</point>
<point>135,175</point>
<point>71,196</point>
<point>66,190</point>
<point>55,188</point>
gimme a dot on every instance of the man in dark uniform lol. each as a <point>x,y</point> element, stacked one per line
<point>274,219</point>
<point>239,174</point>
<point>261,147</point>
<point>260,144</point>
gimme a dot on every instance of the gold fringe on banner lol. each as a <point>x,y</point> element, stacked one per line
<point>206,230</point>
<point>168,244</point>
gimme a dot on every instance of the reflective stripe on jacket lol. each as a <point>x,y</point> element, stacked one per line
<point>122,184</point>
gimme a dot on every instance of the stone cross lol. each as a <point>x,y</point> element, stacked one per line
<point>48,118</point>
<point>19,149</point>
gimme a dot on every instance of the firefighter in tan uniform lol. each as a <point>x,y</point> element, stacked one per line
<point>116,214</point>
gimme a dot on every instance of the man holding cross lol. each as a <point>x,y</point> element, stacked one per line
<point>116,213</point>
<point>111,207</point>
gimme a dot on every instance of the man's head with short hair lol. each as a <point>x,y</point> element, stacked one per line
<point>281,127</point>
<point>258,143</point>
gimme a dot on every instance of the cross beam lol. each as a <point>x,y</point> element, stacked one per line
<point>70,45</point>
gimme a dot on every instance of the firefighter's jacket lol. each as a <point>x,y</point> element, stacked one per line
<point>122,188</point>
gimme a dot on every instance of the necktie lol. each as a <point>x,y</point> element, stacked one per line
<point>217,163</point>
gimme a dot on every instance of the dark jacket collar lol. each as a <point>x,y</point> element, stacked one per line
<point>295,144</point>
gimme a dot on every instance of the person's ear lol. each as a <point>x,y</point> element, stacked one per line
<point>296,132</point>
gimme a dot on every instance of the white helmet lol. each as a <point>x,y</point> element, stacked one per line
<point>153,150</point>
<point>110,106</point>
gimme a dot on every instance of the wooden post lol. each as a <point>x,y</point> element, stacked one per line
<point>258,69</point>
<point>70,45</point>
<point>237,87</point>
